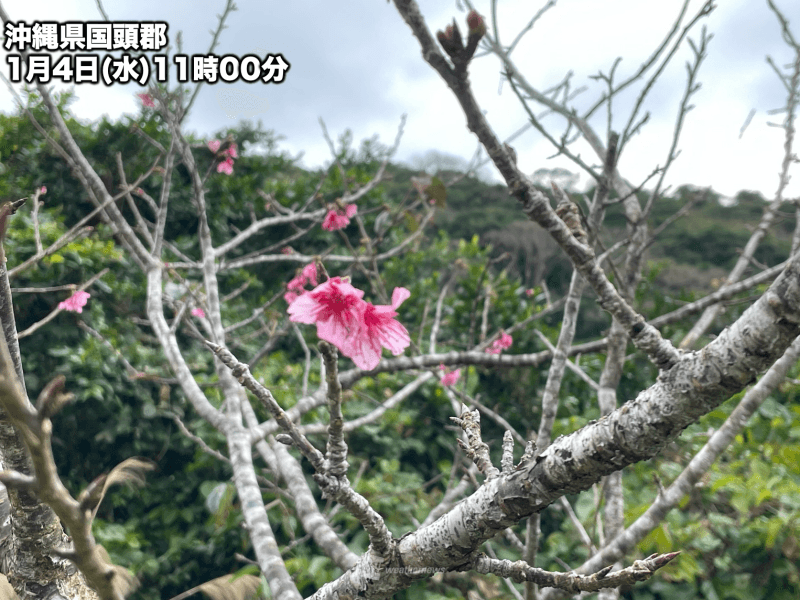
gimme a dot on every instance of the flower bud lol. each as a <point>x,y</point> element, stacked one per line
<point>476,24</point>
<point>450,39</point>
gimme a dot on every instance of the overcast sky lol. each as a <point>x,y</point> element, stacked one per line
<point>356,65</point>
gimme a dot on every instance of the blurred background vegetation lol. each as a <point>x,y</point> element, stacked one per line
<point>739,531</point>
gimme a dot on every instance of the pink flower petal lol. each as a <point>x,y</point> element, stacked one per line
<point>297,284</point>
<point>214,145</point>
<point>377,328</point>
<point>399,295</point>
<point>310,273</point>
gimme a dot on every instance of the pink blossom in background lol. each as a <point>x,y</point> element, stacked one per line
<point>147,100</point>
<point>287,250</point>
<point>76,302</point>
<point>43,190</point>
<point>310,273</point>
<point>501,344</point>
<point>198,312</point>
<point>231,151</point>
<point>226,166</point>
<point>338,219</point>
<point>505,341</point>
<point>214,145</point>
<point>377,328</point>
<point>298,283</point>
<point>450,377</point>
<point>529,293</point>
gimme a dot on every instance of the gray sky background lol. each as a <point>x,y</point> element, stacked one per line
<point>357,65</point>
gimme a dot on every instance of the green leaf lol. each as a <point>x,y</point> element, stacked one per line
<point>438,192</point>
<point>411,222</point>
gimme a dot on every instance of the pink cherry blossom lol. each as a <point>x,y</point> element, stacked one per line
<point>529,293</point>
<point>231,151</point>
<point>287,250</point>
<point>43,190</point>
<point>310,273</point>
<point>76,302</point>
<point>503,343</point>
<point>298,283</point>
<point>226,166</point>
<point>338,219</point>
<point>198,312</point>
<point>214,145</point>
<point>378,328</point>
<point>147,100</point>
<point>450,377</point>
<point>334,306</point>
<point>359,329</point>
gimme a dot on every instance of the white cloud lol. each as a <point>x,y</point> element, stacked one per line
<point>358,66</point>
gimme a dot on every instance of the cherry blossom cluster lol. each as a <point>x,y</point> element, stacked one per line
<point>338,218</point>
<point>76,302</point>
<point>296,286</point>
<point>449,377</point>
<point>503,343</point>
<point>225,166</point>
<point>147,100</point>
<point>357,328</point>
